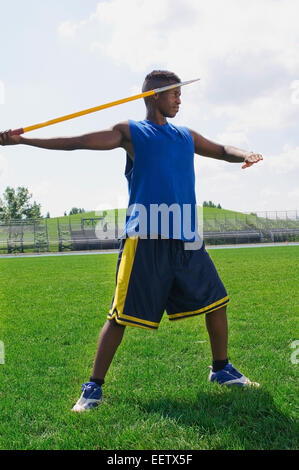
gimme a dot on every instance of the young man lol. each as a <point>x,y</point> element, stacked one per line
<point>155,271</point>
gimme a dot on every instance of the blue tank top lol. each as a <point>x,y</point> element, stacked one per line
<point>161,182</point>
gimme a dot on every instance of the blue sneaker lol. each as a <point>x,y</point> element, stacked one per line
<point>230,376</point>
<point>90,398</point>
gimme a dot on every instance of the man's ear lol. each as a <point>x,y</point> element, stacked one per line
<point>152,99</point>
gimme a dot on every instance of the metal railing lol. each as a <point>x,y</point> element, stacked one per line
<point>102,232</point>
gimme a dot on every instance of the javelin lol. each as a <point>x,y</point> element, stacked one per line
<point>22,130</point>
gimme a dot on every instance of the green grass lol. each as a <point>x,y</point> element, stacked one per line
<point>156,393</point>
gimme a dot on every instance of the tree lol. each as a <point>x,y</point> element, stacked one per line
<point>48,215</point>
<point>76,210</point>
<point>16,204</point>
<point>211,204</point>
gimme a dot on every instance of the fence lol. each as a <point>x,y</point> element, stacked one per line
<point>76,233</point>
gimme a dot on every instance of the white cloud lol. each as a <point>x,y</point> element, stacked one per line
<point>278,199</point>
<point>41,189</point>
<point>43,193</point>
<point>237,139</point>
<point>295,93</point>
<point>135,38</point>
<point>238,54</point>
<point>112,200</point>
<point>269,111</point>
<point>2,92</point>
<point>285,162</point>
<point>190,34</point>
<point>3,167</point>
<point>246,54</point>
<point>70,28</point>
<point>294,194</point>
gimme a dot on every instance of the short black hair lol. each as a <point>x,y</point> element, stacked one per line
<point>159,78</point>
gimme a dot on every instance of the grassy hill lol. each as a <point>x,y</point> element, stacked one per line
<point>214,220</point>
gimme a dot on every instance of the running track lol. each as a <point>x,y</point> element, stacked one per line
<point>105,252</point>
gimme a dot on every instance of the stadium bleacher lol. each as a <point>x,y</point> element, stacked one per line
<point>100,233</point>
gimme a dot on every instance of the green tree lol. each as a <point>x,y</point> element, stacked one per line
<point>16,204</point>
<point>211,204</point>
<point>76,210</point>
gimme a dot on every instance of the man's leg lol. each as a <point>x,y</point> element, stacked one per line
<point>222,371</point>
<point>216,323</point>
<point>109,340</point>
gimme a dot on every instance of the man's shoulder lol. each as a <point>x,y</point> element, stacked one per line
<point>181,130</point>
<point>124,128</point>
<point>176,126</point>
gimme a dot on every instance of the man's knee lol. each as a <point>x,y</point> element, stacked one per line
<point>113,323</point>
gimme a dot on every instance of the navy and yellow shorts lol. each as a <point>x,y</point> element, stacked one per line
<point>154,275</point>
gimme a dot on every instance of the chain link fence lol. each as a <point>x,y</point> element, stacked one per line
<point>103,230</point>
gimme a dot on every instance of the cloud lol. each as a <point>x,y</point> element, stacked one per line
<point>3,167</point>
<point>295,93</point>
<point>135,36</point>
<point>237,139</point>
<point>294,194</point>
<point>285,162</point>
<point>191,34</point>
<point>278,200</point>
<point>41,189</point>
<point>69,29</point>
<point>2,92</point>
<point>246,65</point>
<point>246,54</point>
<point>111,200</point>
<point>269,111</point>
<point>42,193</point>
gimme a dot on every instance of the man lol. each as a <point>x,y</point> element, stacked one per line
<point>155,271</point>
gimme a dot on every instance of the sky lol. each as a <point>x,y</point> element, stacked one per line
<point>59,57</point>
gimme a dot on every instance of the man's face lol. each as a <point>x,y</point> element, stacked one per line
<point>168,102</point>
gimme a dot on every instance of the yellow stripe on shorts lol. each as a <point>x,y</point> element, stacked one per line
<point>207,309</point>
<point>123,274</point>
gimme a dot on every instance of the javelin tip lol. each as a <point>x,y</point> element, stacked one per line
<point>175,85</point>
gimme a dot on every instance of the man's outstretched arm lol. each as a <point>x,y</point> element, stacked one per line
<point>207,148</point>
<point>108,139</point>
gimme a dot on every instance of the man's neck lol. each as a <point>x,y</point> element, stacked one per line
<point>156,118</point>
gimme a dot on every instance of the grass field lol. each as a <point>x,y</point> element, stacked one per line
<point>156,393</point>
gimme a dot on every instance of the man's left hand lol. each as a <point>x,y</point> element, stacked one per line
<point>251,158</point>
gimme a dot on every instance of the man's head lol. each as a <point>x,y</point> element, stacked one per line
<point>158,79</point>
<point>167,102</point>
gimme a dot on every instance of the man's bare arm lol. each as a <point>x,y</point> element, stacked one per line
<point>207,148</point>
<point>116,136</point>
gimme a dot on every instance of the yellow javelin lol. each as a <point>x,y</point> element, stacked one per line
<point>22,130</point>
